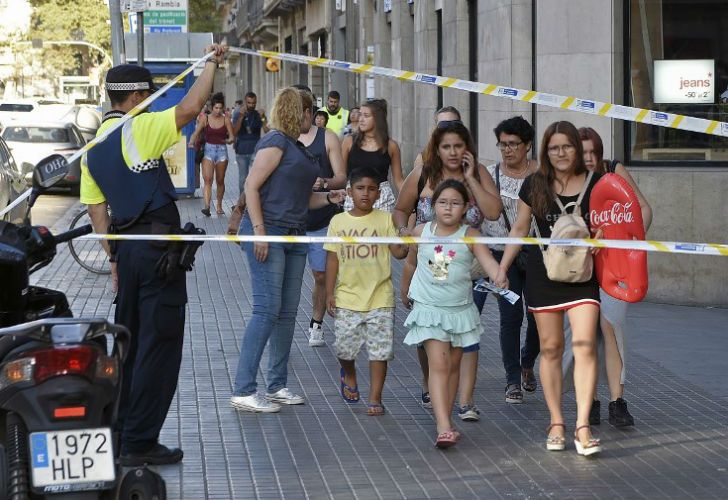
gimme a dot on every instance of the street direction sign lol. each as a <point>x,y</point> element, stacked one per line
<point>163,16</point>
<point>133,5</point>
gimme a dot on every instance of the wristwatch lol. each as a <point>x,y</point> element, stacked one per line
<point>401,229</point>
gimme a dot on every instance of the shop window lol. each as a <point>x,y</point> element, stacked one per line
<point>677,62</point>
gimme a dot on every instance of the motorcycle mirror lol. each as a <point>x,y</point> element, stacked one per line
<point>49,171</point>
<point>46,173</point>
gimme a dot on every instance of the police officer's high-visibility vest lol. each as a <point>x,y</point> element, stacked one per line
<point>337,121</point>
<point>127,191</point>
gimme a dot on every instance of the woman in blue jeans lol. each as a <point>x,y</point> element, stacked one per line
<point>515,137</point>
<point>278,194</point>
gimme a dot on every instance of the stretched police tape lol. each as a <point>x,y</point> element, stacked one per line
<point>128,116</point>
<point>588,106</point>
<point>648,246</point>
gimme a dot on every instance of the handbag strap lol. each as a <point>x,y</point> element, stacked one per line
<point>503,207</point>
<point>534,224</point>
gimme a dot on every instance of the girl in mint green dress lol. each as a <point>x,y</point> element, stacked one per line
<point>436,285</point>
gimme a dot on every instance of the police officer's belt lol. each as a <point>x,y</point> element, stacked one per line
<point>149,228</point>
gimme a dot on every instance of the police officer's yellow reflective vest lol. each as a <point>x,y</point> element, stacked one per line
<point>337,121</point>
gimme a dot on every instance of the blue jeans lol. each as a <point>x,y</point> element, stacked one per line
<point>243,169</point>
<point>511,319</point>
<point>276,287</point>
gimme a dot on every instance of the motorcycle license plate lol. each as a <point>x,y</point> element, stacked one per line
<point>74,460</point>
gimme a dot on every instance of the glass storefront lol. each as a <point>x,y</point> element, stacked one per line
<point>678,63</point>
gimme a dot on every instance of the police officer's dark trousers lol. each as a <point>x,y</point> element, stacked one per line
<point>153,308</point>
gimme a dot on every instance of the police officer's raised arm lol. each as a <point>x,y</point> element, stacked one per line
<point>191,104</point>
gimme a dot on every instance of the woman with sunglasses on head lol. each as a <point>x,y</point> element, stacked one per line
<point>370,146</point>
<point>515,138</point>
<point>444,115</point>
<point>613,312</point>
<point>218,134</point>
<point>450,154</point>
<point>561,174</point>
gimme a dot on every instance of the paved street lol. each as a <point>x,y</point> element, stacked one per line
<point>52,207</point>
<point>327,449</point>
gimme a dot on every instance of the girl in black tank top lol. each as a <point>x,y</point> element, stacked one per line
<point>377,160</point>
<point>371,146</point>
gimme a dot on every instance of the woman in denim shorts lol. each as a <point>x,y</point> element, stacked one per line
<point>218,133</point>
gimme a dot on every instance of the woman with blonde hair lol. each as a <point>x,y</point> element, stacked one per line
<point>278,196</point>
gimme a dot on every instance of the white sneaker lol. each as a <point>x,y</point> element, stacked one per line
<point>255,403</point>
<point>316,336</point>
<point>286,397</point>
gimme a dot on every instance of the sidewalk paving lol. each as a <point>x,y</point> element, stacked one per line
<point>327,449</point>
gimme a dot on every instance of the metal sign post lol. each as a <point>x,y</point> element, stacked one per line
<point>138,6</point>
<point>140,38</point>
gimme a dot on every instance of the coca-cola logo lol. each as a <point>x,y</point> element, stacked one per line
<point>620,213</point>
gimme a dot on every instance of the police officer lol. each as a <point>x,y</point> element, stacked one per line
<point>338,116</point>
<point>127,173</point>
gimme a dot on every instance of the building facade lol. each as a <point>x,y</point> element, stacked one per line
<point>662,55</point>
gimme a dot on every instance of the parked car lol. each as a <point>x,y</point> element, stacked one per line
<point>85,117</point>
<point>31,141</point>
<point>12,185</point>
<point>11,110</point>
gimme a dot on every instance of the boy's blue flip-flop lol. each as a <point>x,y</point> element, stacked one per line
<point>353,392</point>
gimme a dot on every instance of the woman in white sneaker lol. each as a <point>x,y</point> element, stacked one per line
<point>278,196</point>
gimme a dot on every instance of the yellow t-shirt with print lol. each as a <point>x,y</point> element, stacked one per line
<point>151,135</point>
<point>365,273</point>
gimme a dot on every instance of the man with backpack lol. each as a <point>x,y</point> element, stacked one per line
<point>247,126</point>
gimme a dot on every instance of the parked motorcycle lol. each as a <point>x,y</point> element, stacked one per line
<point>59,376</point>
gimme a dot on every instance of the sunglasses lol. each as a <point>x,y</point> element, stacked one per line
<point>449,123</point>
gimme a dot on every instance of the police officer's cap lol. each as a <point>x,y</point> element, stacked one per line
<point>129,77</point>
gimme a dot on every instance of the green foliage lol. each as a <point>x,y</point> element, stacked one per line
<point>85,20</point>
<point>204,17</point>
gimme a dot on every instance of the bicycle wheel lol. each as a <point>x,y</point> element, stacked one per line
<point>88,253</point>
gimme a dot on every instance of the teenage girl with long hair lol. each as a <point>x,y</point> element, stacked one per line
<point>561,173</point>
<point>218,134</point>
<point>370,146</point>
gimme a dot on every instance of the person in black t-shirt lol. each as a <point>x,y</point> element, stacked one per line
<point>247,126</point>
<point>563,174</point>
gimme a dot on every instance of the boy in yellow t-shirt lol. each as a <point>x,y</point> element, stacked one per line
<point>359,292</point>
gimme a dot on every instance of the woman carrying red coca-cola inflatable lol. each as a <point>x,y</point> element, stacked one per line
<point>613,312</point>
